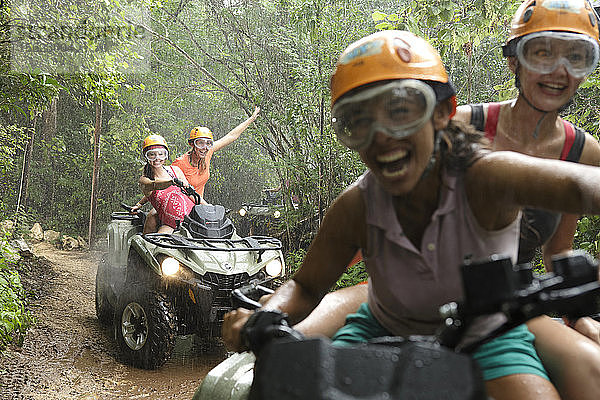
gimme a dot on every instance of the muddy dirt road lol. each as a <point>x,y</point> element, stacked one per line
<point>67,354</point>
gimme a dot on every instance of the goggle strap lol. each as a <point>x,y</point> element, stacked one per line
<point>509,49</point>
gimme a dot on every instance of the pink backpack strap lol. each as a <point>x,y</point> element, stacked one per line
<point>569,139</point>
<point>491,121</point>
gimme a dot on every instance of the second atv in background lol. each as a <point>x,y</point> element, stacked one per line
<point>154,287</point>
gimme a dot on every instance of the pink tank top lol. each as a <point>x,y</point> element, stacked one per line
<point>407,285</point>
<point>171,204</point>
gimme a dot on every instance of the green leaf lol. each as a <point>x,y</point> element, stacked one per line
<point>378,16</point>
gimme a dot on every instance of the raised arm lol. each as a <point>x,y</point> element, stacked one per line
<point>502,182</point>
<point>235,133</point>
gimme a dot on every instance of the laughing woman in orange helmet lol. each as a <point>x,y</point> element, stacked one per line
<point>432,194</point>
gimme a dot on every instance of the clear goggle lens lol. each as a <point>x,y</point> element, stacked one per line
<point>543,52</point>
<point>406,106</point>
<point>200,143</point>
<point>158,154</point>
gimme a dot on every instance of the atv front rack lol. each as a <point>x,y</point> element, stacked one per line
<point>250,243</point>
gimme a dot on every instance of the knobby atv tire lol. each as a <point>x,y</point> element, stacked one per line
<point>150,321</point>
<point>104,310</point>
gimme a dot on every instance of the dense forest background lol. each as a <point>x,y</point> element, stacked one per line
<point>175,64</point>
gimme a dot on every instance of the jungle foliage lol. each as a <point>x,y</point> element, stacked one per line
<point>209,63</point>
<point>14,319</point>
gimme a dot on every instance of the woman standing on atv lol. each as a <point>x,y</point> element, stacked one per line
<point>157,184</point>
<point>195,164</point>
<point>431,196</point>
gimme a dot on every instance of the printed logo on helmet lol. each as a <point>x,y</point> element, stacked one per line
<point>564,5</point>
<point>364,50</point>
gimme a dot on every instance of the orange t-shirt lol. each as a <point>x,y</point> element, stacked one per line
<point>196,177</point>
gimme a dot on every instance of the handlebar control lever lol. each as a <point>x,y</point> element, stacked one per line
<point>263,326</point>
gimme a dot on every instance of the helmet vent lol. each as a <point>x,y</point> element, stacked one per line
<point>527,14</point>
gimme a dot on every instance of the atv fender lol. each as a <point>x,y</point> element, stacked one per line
<point>230,380</point>
<point>141,247</point>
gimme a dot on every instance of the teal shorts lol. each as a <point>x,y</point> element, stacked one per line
<point>508,354</point>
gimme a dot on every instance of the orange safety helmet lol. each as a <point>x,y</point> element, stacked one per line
<point>154,140</point>
<point>200,132</point>
<point>390,55</point>
<point>575,16</point>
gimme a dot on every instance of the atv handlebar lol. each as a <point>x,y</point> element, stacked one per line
<point>264,325</point>
<point>242,297</point>
<point>492,286</point>
<point>188,190</point>
<point>496,286</point>
<point>126,207</point>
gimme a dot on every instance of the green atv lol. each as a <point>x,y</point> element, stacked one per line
<point>154,287</point>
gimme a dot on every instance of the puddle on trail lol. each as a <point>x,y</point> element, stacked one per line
<point>177,379</point>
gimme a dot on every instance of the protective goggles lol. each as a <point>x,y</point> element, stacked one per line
<point>543,52</point>
<point>201,142</point>
<point>403,107</point>
<point>156,154</point>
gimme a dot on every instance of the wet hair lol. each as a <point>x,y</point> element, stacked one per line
<point>201,162</point>
<point>461,145</point>
<point>148,171</point>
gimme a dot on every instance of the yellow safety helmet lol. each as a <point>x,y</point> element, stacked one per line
<point>154,140</point>
<point>200,132</point>
<point>390,55</point>
<point>576,16</point>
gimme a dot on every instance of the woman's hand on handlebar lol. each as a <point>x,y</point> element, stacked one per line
<point>134,210</point>
<point>233,323</point>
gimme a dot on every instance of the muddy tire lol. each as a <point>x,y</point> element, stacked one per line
<point>145,327</point>
<point>104,310</point>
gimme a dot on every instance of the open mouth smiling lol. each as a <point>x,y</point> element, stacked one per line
<point>394,164</point>
<point>553,87</point>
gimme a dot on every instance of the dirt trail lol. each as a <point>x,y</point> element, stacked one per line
<point>67,354</point>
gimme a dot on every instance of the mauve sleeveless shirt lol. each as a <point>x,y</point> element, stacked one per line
<point>407,285</point>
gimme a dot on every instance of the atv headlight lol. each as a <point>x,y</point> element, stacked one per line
<point>277,214</point>
<point>274,267</point>
<point>169,266</point>
<point>242,212</point>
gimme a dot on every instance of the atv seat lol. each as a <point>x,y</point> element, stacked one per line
<point>207,221</point>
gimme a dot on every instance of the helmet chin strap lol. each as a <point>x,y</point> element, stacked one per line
<point>536,131</point>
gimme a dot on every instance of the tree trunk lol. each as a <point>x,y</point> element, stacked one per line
<point>49,121</point>
<point>48,132</point>
<point>23,187</point>
<point>95,175</point>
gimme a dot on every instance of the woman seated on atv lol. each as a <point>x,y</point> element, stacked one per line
<point>195,164</point>
<point>433,194</point>
<point>157,184</point>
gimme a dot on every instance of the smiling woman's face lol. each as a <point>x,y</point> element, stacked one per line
<point>397,163</point>
<point>547,92</point>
